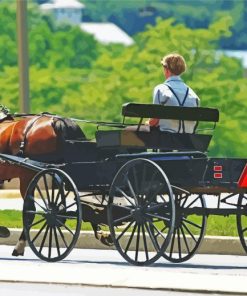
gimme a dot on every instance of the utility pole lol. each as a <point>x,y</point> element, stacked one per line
<point>22,39</point>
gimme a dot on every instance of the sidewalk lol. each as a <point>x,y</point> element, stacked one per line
<point>203,273</point>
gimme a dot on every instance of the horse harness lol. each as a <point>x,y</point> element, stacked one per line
<point>25,133</point>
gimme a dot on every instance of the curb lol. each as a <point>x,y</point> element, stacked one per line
<point>218,245</point>
<point>222,245</point>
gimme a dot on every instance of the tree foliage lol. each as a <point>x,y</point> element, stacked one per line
<point>92,81</point>
<point>133,16</point>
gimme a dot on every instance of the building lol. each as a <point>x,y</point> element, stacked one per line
<point>65,10</point>
<point>107,33</point>
<point>71,11</point>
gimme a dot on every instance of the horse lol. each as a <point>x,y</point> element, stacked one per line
<point>34,136</point>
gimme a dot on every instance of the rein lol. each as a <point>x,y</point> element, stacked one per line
<point>102,123</point>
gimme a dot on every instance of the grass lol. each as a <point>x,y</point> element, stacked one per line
<point>216,225</point>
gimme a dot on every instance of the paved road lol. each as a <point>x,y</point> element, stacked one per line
<point>203,273</point>
<point>65,290</point>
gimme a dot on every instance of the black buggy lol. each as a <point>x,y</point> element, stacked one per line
<point>148,188</point>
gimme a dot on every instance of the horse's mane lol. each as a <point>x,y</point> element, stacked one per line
<point>67,129</point>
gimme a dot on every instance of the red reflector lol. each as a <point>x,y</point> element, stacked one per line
<point>242,182</point>
<point>217,175</point>
<point>218,168</point>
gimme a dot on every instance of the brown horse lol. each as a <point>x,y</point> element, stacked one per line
<point>32,136</point>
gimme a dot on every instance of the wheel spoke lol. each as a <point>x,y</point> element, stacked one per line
<point>156,207</point>
<point>123,219</point>
<point>161,218</point>
<point>56,241</point>
<point>192,202</point>
<point>185,240</point>
<point>130,239</point>
<point>154,242</point>
<point>155,193</point>
<point>179,244</point>
<point>184,202</point>
<point>144,172</point>
<point>65,226</point>
<point>125,195</point>
<point>53,188</point>
<point>46,188</point>
<point>145,242</point>
<point>190,233</point>
<point>66,217</point>
<point>44,239</point>
<point>243,230</point>
<point>132,190</point>
<point>41,195</point>
<point>35,213</point>
<point>50,243</point>
<point>126,208</point>
<point>39,232</point>
<point>157,230</point>
<point>192,223</point>
<point>32,198</point>
<point>125,229</point>
<point>135,180</point>
<point>62,236</point>
<point>69,206</point>
<point>36,223</point>
<point>151,181</point>
<point>172,243</point>
<point>137,242</point>
<point>60,191</point>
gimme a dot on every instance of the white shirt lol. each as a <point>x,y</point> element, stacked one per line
<point>164,96</point>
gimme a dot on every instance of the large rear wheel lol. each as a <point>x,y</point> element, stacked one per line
<point>189,227</point>
<point>140,204</point>
<point>242,220</point>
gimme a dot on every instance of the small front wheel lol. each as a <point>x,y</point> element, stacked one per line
<point>52,215</point>
<point>141,211</point>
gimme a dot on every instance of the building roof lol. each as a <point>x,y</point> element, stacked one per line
<point>107,33</point>
<point>56,4</point>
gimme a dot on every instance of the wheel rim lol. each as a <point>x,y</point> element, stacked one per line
<point>242,220</point>
<point>140,203</point>
<point>189,228</point>
<point>52,215</point>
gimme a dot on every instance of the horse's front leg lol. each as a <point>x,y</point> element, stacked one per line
<point>20,246</point>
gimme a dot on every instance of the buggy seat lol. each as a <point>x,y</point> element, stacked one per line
<point>156,139</point>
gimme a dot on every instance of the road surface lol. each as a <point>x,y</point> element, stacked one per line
<point>103,268</point>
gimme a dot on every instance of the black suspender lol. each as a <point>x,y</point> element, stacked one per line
<point>181,104</point>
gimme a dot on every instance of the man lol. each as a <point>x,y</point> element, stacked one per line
<point>174,92</point>
<point>4,232</point>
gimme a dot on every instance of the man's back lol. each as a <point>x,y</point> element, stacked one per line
<point>174,92</point>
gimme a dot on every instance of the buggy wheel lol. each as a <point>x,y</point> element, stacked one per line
<point>242,220</point>
<point>140,204</point>
<point>52,215</point>
<point>189,228</point>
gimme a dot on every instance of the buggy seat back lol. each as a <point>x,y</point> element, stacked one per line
<point>156,139</point>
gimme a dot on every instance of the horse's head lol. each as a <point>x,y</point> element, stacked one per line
<point>5,113</point>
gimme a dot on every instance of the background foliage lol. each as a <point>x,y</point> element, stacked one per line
<point>133,16</point>
<point>73,75</point>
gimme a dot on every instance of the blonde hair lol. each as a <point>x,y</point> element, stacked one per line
<point>175,63</point>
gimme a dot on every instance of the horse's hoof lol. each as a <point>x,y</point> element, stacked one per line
<point>4,232</point>
<point>106,240</point>
<point>16,254</point>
